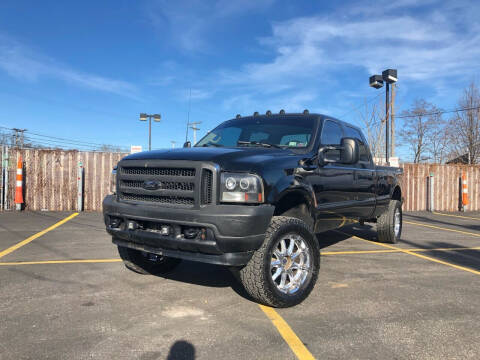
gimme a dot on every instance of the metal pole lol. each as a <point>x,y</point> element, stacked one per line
<point>2,174</point>
<point>149,133</point>
<point>431,192</point>
<point>80,187</point>
<point>387,102</point>
<point>392,120</point>
<point>6,164</point>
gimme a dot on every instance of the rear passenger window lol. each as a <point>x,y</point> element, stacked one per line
<point>363,146</point>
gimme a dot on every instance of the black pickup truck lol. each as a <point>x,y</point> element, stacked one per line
<point>251,195</point>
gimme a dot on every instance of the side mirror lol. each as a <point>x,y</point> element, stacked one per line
<point>349,152</point>
<point>345,153</point>
<point>187,144</point>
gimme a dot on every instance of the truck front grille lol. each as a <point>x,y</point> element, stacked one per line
<point>159,199</point>
<point>165,182</point>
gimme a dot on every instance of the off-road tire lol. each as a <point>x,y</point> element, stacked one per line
<point>386,223</point>
<point>138,262</point>
<point>256,276</point>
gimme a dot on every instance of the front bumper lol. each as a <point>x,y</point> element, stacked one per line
<point>233,232</point>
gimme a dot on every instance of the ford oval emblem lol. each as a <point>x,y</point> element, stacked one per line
<point>151,185</point>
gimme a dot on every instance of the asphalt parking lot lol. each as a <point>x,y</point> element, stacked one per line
<point>65,294</point>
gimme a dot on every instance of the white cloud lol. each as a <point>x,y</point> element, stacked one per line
<point>189,23</point>
<point>432,45</point>
<point>23,63</point>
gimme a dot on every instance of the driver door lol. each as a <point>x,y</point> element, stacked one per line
<point>334,182</point>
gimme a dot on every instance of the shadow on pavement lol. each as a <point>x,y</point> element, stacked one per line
<point>204,274</point>
<point>426,219</point>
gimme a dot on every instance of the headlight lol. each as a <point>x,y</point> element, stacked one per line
<point>244,188</point>
<point>113,181</point>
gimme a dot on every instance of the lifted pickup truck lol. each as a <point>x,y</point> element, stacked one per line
<point>251,195</point>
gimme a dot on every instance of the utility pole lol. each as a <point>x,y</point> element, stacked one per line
<point>21,131</point>
<point>194,128</point>
<point>392,120</point>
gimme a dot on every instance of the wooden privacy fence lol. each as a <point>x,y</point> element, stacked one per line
<point>50,181</point>
<point>446,186</point>
<point>50,178</point>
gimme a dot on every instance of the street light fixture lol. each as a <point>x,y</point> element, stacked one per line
<point>144,117</point>
<point>388,77</point>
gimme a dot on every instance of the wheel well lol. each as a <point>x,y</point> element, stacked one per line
<point>296,205</point>
<point>397,194</point>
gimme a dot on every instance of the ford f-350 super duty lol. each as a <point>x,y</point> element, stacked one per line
<point>254,194</point>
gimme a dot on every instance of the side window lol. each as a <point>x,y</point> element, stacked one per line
<point>332,135</point>
<point>363,146</point>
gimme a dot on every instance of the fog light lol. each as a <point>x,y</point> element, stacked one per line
<point>115,222</point>
<point>132,225</point>
<point>165,230</point>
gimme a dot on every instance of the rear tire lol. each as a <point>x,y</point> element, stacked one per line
<point>284,270</point>
<point>389,224</point>
<point>147,263</point>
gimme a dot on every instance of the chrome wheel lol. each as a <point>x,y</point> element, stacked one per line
<point>290,263</point>
<point>397,221</point>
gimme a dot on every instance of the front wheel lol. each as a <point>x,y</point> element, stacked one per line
<point>389,224</point>
<point>284,270</point>
<point>146,263</point>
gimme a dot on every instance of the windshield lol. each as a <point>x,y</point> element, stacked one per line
<point>285,132</point>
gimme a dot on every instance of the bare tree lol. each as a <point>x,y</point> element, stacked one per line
<point>418,127</point>
<point>111,148</point>
<point>437,138</point>
<point>372,120</point>
<point>464,127</point>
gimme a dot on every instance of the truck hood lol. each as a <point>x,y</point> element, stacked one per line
<point>238,159</point>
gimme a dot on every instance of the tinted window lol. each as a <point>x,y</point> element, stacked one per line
<point>363,146</point>
<point>331,133</point>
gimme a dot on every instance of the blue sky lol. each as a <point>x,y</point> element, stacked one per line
<point>85,70</point>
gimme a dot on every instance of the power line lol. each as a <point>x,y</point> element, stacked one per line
<point>358,107</point>
<point>63,140</point>
<point>438,112</point>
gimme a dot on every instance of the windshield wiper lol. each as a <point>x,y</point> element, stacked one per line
<point>259,143</point>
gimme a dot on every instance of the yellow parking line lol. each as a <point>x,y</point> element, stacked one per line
<point>287,333</point>
<point>37,235</point>
<point>59,262</point>
<point>442,228</point>
<point>396,251</point>
<point>457,216</point>
<point>353,252</point>
<point>417,255</point>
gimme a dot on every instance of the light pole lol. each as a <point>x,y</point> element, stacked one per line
<point>388,76</point>
<point>156,117</point>
<point>173,144</point>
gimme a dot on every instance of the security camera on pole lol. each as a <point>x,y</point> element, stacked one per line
<point>388,76</point>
